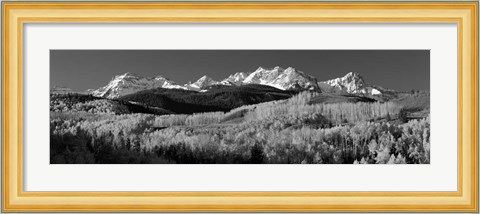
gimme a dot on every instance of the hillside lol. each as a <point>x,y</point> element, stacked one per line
<point>278,132</point>
<point>96,105</point>
<point>217,98</point>
<point>339,98</point>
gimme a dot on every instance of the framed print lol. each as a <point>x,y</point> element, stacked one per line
<point>239,107</point>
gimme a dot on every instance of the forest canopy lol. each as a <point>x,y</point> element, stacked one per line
<point>287,130</point>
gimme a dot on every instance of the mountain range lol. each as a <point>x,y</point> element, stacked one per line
<point>277,77</point>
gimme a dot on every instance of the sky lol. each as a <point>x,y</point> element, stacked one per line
<point>90,69</point>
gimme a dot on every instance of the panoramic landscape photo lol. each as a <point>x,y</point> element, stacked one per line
<point>239,106</point>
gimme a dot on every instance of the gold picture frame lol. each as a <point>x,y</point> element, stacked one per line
<point>16,14</point>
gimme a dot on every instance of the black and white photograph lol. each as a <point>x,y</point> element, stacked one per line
<point>239,106</point>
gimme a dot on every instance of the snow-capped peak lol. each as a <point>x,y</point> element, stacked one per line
<point>352,83</point>
<point>129,83</point>
<point>352,75</point>
<point>281,78</point>
<point>204,78</point>
<point>131,74</point>
<point>235,79</point>
<point>202,83</point>
<point>125,76</point>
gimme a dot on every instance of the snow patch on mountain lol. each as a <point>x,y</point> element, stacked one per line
<point>375,92</point>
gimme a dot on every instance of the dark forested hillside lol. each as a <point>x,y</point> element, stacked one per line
<point>340,98</point>
<point>215,99</point>
<point>87,103</point>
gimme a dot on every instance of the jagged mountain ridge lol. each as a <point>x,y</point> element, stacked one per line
<point>202,83</point>
<point>284,79</point>
<point>235,79</point>
<point>351,83</point>
<point>129,83</point>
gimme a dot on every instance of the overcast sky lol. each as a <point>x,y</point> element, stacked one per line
<point>86,69</point>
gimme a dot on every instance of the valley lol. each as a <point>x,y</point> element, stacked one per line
<point>269,116</point>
